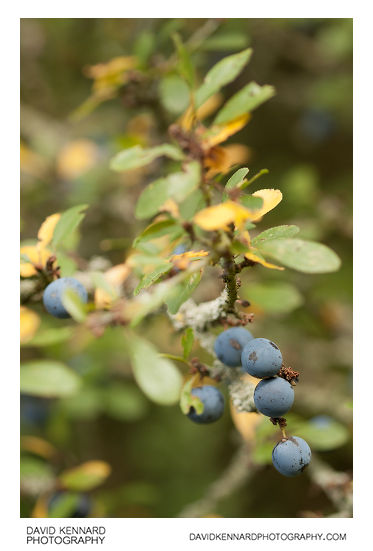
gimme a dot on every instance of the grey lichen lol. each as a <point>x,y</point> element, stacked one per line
<point>199,318</point>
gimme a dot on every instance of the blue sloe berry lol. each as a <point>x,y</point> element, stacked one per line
<point>273,397</point>
<point>53,294</point>
<point>291,456</point>
<point>229,345</point>
<point>213,404</point>
<point>261,358</point>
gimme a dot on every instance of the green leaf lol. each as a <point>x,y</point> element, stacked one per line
<point>238,247</point>
<point>188,400</point>
<point>86,405</point>
<point>125,402</point>
<point>86,476</point>
<point>245,101</point>
<point>185,65</point>
<point>278,232</point>
<point>245,183</point>
<point>177,185</point>
<point>143,47</point>
<point>192,204</point>
<point>187,341</point>
<point>69,221</point>
<point>227,40</point>
<point>145,260</point>
<point>236,178</point>
<point>182,292</point>
<point>157,377</point>
<point>276,298</point>
<point>174,94</point>
<point>64,506</point>
<point>224,72</point>
<point>36,475</point>
<point>51,336</point>
<point>72,303</point>
<point>304,256</point>
<point>324,435</point>
<point>136,157</point>
<point>158,229</point>
<point>48,378</point>
<point>148,279</point>
<point>150,301</point>
<point>67,264</point>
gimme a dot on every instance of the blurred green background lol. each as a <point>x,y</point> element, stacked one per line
<point>160,461</point>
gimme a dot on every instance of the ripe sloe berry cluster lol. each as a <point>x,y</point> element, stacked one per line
<point>273,396</point>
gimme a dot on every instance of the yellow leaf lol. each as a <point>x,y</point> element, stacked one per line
<point>76,158</point>
<point>86,476</point>
<point>202,112</point>
<point>115,277</point>
<point>46,230</point>
<point>38,256</point>
<point>245,423</point>
<point>259,260</point>
<point>220,216</point>
<point>112,67</point>
<point>271,198</point>
<point>221,159</point>
<point>170,206</point>
<point>221,132</point>
<point>40,509</point>
<point>29,323</point>
<point>38,446</point>
<point>31,162</point>
<point>182,261</point>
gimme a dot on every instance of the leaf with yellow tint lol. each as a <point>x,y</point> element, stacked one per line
<point>107,79</point>
<point>86,476</point>
<point>38,446</point>
<point>245,423</point>
<point>107,285</point>
<point>189,400</point>
<point>221,132</point>
<point>170,206</point>
<point>46,230</point>
<point>209,107</point>
<point>256,257</point>
<point>182,261</point>
<point>31,162</point>
<point>218,217</point>
<point>76,158</point>
<point>36,256</point>
<point>40,509</point>
<point>222,159</point>
<point>29,323</point>
<point>271,198</point>
<point>115,66</point>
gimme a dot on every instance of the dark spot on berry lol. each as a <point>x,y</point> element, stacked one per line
<point>253,357</point>
<point>274,345</point>
<point>235,344</point>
